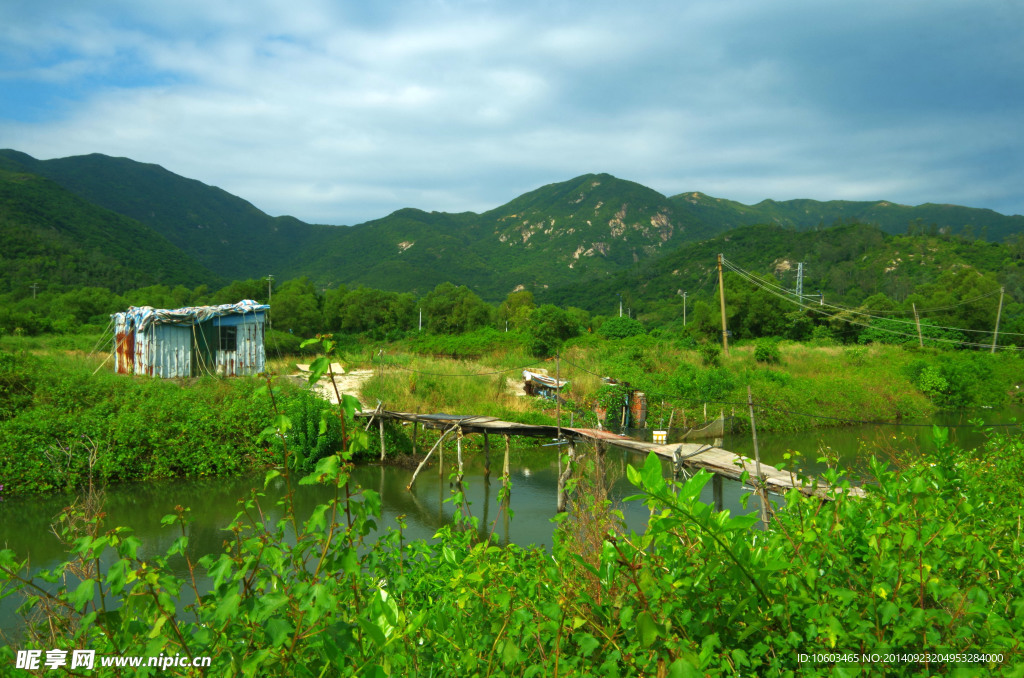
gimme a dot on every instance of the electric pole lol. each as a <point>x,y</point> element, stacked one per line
<point>999,313</point>
<point>270,292</point>
<point>35,286</point>
<point>684,309</point>
<point>721,296</point>
<point>800,280</point>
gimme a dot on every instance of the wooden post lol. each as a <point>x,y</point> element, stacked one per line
<point>757,461</point>
<point>487,459</point>
<point>717,492</point>
<point>415,430</point>
<point>458,447</point>
<point>564,476</point>
<point>504,471</point>
<point>721,296</point>
<point>999,313</point>
<point>917,321</point>
<point>558,395</point>
<point>380,420</point>
<point>424,462</point>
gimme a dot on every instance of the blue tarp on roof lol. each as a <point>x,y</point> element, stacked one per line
<point>142,317</point>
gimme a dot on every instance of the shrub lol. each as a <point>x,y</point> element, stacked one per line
<point>767,351</point>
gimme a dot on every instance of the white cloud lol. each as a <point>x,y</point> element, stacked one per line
<point>343,112</point>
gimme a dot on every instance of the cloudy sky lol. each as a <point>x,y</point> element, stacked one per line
<point>339,112</point>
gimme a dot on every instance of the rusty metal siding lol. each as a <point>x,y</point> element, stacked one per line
<point>168,351</point>
<point>248,357</point>
<point>124,345</point>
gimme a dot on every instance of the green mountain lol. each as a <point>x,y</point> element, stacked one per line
<point>587,227</point>
<point>224,233</point>
<point>847,262</point>
<point>890,217</point>
<point>51,237</point>
<point>562,241</point>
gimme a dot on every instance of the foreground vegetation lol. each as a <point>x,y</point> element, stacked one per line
<point>64,417</point>
<point>928,561</point>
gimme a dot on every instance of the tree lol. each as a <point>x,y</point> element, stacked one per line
<point>296,308</point>
<point>550,327</point>
<point>515,311</point>
<point>454,310</point>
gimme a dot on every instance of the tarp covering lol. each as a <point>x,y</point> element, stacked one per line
<point>544,380</point>
<point>141,317</point>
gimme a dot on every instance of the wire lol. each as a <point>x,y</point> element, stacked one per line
<point>475,374</point>
<point>786,296</point>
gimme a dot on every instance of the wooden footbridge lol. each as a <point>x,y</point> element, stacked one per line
<point>721,463</point>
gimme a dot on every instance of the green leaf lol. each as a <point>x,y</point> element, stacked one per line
<point>271,474</point>
<point>648,628</point>
<point>83,594</point>
<point>633,475</point>
<point>651,473</point>
<point>278,631</point>
<point>317,369</point>
<point>374,632</point>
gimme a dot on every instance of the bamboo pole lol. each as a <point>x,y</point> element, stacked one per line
<point>757,461</point>
<point>504,470</point>
<point>999,313</point>
<point>487,459</point>
<point>917,321</point>
<point>424,462</point>
<point>721,296</point>
<point>458,448</point>
<point>564,476</point>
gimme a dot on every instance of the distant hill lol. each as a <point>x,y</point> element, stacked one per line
<point>49,236</point>
<point>892,218</point>
<point>574,235</point>
<point>848,262</point>
<point>223,232</point>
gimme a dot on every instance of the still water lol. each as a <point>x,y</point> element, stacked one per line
<point>25,522</point>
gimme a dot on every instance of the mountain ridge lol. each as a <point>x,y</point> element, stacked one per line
<point>587,228</point>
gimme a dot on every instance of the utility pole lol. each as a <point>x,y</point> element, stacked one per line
<point>620,304</point>
<point>270,292</point>
<point>917,320</point>
<point>684,309</point>
<point>721,296</point>
<point>421,319</point>
<point>999,313</point>
<point>35,286</point>
<point>800,280</point>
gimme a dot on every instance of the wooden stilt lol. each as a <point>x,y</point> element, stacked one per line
<point>487,458</point>
<point>717,492</point>
<point>564,476</point>
<point>458,447</point>
<point>504,470</point>
<point>415,430</point>
<point>381,421</point>
<point>424,462</point>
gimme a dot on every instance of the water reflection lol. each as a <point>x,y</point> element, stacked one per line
<point>26,522</point>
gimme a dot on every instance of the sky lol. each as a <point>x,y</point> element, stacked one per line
<point>339,112</point>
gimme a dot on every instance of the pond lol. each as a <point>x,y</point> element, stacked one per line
<point>26,522</point>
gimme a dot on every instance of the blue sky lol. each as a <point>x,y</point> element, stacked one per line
<point>339,112</point>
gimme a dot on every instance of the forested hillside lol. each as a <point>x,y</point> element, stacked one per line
<point>51,237</point>
<point>581,242</point>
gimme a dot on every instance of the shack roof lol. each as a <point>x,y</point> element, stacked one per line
<point>144,316</point>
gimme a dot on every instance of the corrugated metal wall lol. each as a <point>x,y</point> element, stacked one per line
<point>248,356</point>
<point>166,350</point>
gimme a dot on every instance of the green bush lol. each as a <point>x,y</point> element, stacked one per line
<point>767,351</point>
<point>620,327</point>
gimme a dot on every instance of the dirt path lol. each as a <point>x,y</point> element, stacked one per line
<point>346,382</point>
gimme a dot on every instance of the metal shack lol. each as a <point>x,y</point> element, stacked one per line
<point>226,340</point>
